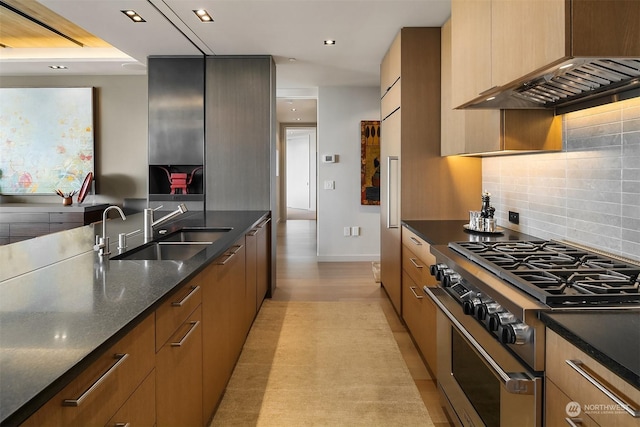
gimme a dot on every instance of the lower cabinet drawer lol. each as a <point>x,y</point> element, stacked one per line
<point>60,226</point>
<point>572,380</point>
<point>173,313</point>
<point>418,246</point>
<point>560,410</point>
<point>140,408</point>
<point>99,391</point>
<point>28,229</point>
<point>415,267</point>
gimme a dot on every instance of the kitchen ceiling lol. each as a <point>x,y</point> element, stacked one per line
<point>292,31</point>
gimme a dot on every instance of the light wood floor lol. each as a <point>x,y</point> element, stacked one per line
<point>300,277</point>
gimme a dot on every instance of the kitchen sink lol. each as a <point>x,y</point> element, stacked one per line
<point>204,235</point>
<point>158,251</point>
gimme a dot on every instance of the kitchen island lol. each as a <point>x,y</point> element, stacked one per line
<point>62,307</point>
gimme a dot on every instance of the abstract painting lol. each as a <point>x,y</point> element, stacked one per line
<point>370,162</point>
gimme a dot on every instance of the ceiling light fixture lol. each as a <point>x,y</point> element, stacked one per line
<point>329,42</point>
<point>203,15</point>
<point>133,15</point>
<point>58,67</point>
<point>293,109</point>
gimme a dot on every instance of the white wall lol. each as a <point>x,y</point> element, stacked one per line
<point>340,110</point>
<point>589,193</point>
<point>120,133</point>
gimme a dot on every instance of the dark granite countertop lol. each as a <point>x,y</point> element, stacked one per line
<point>437,232</point>
<point>50,207</point>
<point>61,307</point>
<point>612,337</point>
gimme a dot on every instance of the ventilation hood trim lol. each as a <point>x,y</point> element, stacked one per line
<point>571,85</point>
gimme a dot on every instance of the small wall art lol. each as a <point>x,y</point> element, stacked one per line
<point>370,162</point>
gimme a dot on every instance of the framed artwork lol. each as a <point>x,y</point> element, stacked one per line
<point>370,162</point>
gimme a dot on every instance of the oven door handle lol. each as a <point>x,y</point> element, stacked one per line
<point>514,382</point>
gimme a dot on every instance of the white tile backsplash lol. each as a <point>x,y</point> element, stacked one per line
<point>589,193</point>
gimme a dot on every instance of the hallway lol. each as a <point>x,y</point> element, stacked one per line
<point>301,278</point>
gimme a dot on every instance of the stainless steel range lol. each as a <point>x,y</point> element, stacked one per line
<point>490,338</point>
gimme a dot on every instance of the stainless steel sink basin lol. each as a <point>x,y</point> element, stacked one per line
<point>208,235</point>
<point>158,251</point>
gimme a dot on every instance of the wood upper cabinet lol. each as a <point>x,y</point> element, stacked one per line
<point>490,131</point>
<point>498,42</point>
<point>390,66</point>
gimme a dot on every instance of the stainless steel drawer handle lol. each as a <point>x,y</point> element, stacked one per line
<point>577,366</point>
<point>415,264</point>
<point>194,324</point>
<point>415,294</point>
<point>226,257</point>
<point>122,425</point>
<point>252,233</point>
<point>574,422</point>
<point>180,303</point>
<point>120,358</point>
<point>415,241</point>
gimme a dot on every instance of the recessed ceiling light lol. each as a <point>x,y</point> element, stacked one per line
<point>298,119</point>
<point>133,15</point>
<point>293,109</point>
<point>203,15</point>
<point>329,42</point>
<point>292,59</point>
<point>58,67</point>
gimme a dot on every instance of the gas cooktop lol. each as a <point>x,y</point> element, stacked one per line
<point>558,274</point>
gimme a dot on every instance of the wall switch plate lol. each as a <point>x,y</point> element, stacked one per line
<point>347,231</point>
<point>355,231</point>
<point>329,185</point>
<point>514,217</point>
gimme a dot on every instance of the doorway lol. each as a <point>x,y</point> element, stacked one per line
<point>301,172</point>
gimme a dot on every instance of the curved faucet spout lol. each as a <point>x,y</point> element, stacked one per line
<point>103,245</point>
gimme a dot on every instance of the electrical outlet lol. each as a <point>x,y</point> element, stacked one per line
<point>347,231</point>
<point>329,185</point>
<point>514,217</point>
<point>355,230</point>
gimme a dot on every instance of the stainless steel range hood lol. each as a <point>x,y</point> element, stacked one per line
<point>572,85</point>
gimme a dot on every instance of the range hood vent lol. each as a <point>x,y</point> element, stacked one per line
<point>573,85</point>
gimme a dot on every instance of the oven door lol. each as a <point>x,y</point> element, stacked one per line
<point>482,382</point>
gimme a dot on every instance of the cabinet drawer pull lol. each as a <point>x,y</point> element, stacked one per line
<point>229,254</point>
<point>415,241</point>
<point>120,358</point>
<point>180,303</point>
<point>252,233</point>
<point>415,264</point>
<point>263,223</point>
<point>415,294</point>
<point>577,366</point>
<point>122,425</point>
<point>194,324</point>
<point>573,422</point>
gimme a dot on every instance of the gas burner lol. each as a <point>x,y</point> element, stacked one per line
<point>510,247</point>
<point>558,274</point>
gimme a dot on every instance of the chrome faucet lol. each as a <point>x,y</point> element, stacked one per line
<point>150,223</point>
<point>102,243</point>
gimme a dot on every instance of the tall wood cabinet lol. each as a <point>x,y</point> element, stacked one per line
<point>491,131</point>
<point>416,182</point>
<point>496,42</point>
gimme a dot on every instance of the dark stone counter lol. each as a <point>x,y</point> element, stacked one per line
<point>61,307</point>
<point>442,232</point>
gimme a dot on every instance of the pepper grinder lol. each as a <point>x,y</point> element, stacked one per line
<point>487,210</point>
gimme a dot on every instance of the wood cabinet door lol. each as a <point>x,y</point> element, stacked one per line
<point>179,376</point>
<point>262,259</point>
<point>471,49</point>
<point>390,66</point>
<point>526,36</point>
<point>140,409</point>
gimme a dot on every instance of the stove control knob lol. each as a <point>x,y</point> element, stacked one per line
<point>433,269</point>
<point>489,307</point>
<point>451,279</point>
<point>498,320</point>
<point>470,306</point>
<point>515,333</point>
<point>441,274</point>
